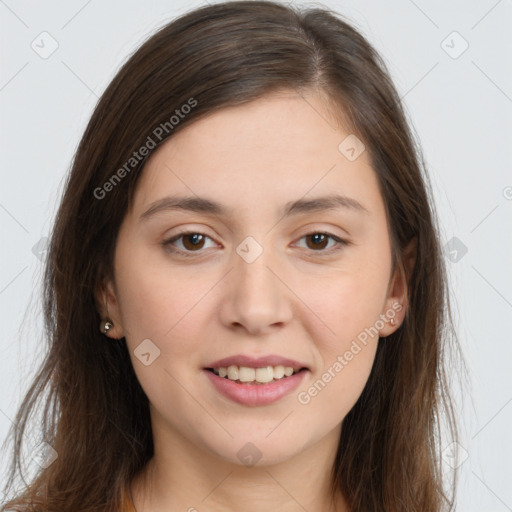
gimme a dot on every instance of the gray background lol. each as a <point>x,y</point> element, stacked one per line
<point>459,100</point>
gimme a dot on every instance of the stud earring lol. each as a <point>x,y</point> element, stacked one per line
<point>392,321</point>
<point>106,326</point>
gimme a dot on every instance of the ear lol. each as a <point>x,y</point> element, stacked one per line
<point>397,300</point>
<point>108,308</point>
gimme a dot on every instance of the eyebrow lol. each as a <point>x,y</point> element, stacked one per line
<point>203,205</point>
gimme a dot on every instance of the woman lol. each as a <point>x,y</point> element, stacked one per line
<point>245,295</point>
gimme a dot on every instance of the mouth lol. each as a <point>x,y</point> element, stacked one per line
<point>255,386</point>
<point>256,376</point>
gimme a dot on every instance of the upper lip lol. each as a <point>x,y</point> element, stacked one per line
<point>256,362</point>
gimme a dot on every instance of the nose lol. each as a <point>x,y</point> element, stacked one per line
<point>255,296</point>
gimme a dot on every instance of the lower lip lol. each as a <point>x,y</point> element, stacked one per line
<point>256,394</point>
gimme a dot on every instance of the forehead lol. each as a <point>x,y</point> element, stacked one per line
<point>275,148</point>
<point>283,125</point>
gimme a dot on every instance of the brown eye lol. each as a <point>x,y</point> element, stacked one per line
<point>319,240</point>
<point>186,243</point>
<point>193,241</point>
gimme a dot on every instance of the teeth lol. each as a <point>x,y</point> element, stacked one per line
<point>279,372</point>
<point>264,374</point>
<point>233,373</point>
<point>246,374</point>
<point>260,375</point>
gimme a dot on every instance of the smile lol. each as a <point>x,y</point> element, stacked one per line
<point>244,388</point>
<point>246,374</point>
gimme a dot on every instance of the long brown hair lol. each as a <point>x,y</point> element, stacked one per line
<point>96,415</point>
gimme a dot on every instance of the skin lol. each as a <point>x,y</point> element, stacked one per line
<point>291,301</point>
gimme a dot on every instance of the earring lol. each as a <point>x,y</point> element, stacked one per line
<point>392,321</point>
<point>106,326</point>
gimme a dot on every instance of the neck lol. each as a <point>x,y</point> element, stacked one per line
<point>182,476</point>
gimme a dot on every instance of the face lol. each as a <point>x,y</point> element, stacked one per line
<point>255,278</point>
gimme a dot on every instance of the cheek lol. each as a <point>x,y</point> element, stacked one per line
<point>335,391</point>
<point>348,301</point>
<point>157,304</point>
<point>152,297</point>
<point>346,350</point>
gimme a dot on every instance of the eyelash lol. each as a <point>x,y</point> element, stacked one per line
<point>168,243</point>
